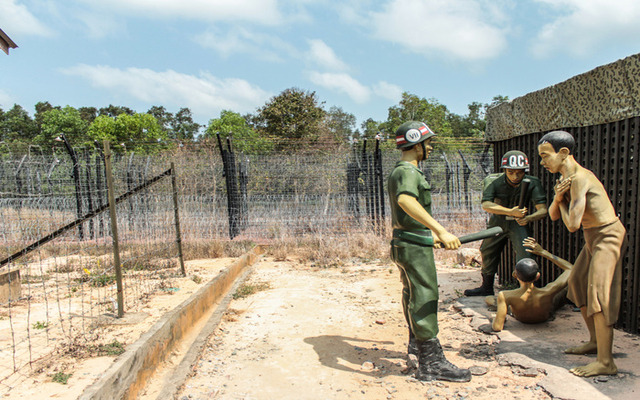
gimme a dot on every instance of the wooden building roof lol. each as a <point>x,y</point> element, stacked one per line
<point>6,43</point>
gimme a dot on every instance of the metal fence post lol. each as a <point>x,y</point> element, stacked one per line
<point>377,157</point>
<point>87,171</point>
<point>176,215</point>
<point>76,180</point>
<point>229,169</point>
<point>466,174</point>
<point>114,227</point>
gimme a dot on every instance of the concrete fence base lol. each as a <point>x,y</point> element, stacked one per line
<point>131,372</point>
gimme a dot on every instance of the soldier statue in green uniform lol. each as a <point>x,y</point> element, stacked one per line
<point>414,234</point>
<point>500,198</point>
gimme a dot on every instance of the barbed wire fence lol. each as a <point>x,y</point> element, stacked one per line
<point>60,271</point>
<point>67,286</point>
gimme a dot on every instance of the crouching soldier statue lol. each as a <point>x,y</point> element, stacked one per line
<point>501,198</point>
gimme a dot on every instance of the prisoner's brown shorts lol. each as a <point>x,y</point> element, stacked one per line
<point>596,277</point>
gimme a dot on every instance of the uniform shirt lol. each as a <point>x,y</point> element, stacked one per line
<point>409,180</point>
<point>502,193</point>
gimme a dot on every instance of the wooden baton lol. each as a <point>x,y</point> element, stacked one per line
<point>484,234</point>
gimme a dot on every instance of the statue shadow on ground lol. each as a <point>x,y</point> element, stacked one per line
<point>546,342</point>
<point>349,354</point>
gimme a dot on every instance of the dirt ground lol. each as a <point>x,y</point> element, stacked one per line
<point>339,333</point>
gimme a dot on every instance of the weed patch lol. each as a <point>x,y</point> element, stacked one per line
<point>61,377</point>
<point>247,289</point>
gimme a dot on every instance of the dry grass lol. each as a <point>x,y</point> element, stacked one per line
<point>202,249</point>
<point>330,251</point>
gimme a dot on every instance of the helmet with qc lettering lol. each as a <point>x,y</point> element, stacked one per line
<point>514,159</point>
<point>412,132</point>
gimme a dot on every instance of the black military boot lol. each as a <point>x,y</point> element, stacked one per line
<point>486,289</point>
<point>412,351</point>
<point>432,365</point>
<point>412,348</point>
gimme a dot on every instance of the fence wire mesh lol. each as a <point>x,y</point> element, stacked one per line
<point>60,296</point>
<point>66,288</point>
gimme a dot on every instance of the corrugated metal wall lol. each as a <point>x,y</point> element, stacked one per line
<point>612,152</point>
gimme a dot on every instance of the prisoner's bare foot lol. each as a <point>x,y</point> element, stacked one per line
<point>586,348</point>
<point>595,368</point>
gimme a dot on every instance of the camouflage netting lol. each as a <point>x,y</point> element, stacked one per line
<point>605,94</point>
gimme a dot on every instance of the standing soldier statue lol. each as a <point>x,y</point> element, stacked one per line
<point>501,198</point>
<point>595,282</point>
<point>414,234</point>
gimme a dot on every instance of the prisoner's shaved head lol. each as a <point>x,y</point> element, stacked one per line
<point>527,270</point>
<point>558,140</point>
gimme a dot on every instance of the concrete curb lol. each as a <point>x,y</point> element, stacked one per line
<point>130,372</point>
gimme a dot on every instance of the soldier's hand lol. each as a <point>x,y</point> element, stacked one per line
<point>436,241</point>
<point>532,246</point>
<point>518,212</point>
<point>522,221</point>
<point>449,241</point>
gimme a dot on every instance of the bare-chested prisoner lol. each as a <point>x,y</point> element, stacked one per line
<point>529,304</point>
<point>596,279</point>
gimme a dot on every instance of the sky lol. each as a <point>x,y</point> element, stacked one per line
<point>359,55</point>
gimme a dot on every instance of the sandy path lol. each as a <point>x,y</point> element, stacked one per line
<point>339,333</point>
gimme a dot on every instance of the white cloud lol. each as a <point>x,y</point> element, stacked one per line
<point>205,95</point>
<point>461,29</point>
<point>242,40</point>
<point>586,26</point>
<point>264,12</point>
<point>342,82</point>
<point>322,55</point>
<point>6,101</point>
<point>16,19</point>
<point>388,91</point>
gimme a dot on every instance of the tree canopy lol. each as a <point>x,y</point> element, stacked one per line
<point>245,138</point>
<point>294,117</point>
<point>293,114</point>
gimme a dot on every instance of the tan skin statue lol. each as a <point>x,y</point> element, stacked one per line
<point>528,303</point>
<point>514,177</point>
<point>410,204</point>
<point>581,200</point>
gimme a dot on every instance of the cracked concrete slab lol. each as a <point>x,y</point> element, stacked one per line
<point>542,346</point>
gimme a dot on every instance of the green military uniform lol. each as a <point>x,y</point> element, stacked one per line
<point>412,251</point>
<point>502,193</point>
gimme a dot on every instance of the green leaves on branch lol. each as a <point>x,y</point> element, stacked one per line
<point>138,132</point>
<point>244,138</point>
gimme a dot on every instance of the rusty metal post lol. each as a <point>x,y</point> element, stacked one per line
<point>114,227</point>
<point>176,215</point>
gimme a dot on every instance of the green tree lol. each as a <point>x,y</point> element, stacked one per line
<point>341,125</point>
<point>163,117</point>
<point>412,107</point>
<point>293,114</point>
<point>17,125</point>
<point>497,100</point>
<point>65,120</point>
<point>138,132</point>
<point>88,113</point>
<point>114,111</point>
<point>370,129</point>
<point>470,125</point>
<point>182,125</point>
<point>41,108</point>
<point>244,138</point>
